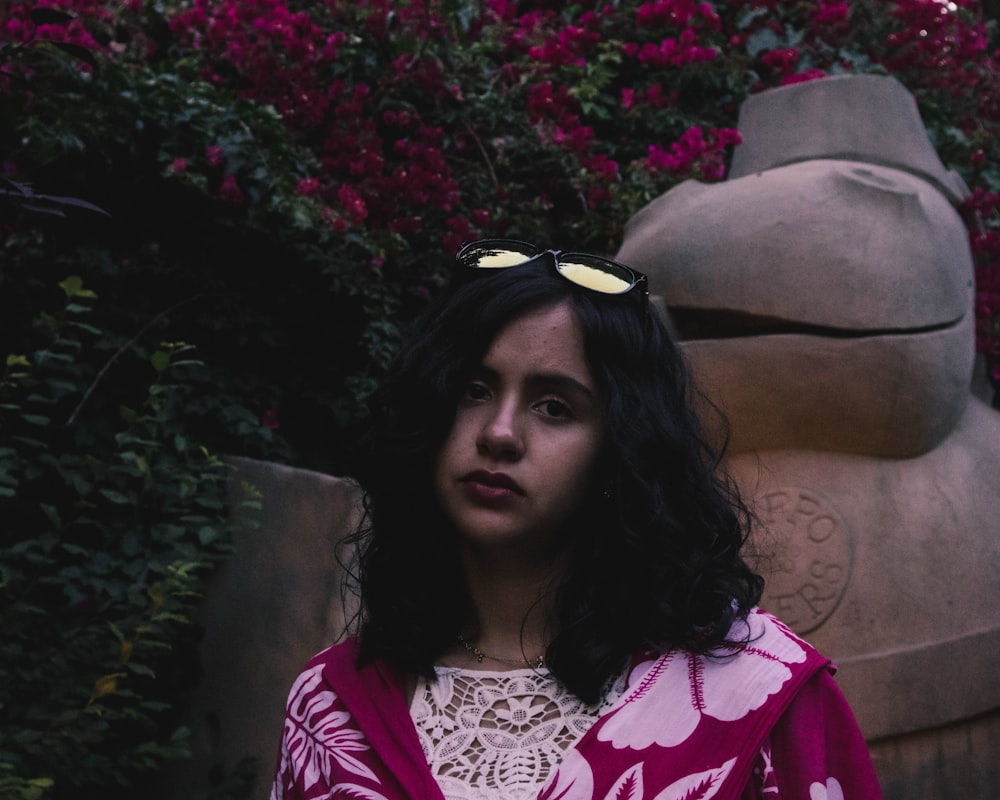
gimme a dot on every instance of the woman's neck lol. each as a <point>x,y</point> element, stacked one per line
<point>513,602</point>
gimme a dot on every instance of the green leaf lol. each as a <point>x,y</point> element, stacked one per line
<point>115,497</point>
<point>160,361</point>
<point>207,534</point>
<point>140,669</point>
<point>761,41</point>
<point>73,287</point>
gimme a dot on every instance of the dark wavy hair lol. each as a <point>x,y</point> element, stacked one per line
<point>658,564</point>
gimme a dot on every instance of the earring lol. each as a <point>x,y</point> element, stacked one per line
<point>608,494</point>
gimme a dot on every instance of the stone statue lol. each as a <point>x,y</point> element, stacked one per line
<point>824,295</point>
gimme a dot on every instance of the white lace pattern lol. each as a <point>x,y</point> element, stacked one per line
<point>498,735</point>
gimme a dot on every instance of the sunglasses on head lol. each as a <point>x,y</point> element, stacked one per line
<point>592,272</point>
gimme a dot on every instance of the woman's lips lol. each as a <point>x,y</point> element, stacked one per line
<point>490,487</point>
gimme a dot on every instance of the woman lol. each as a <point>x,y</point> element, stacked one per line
<point>553,600</point>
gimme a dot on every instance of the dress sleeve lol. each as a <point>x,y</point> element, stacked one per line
<point>815,751</point>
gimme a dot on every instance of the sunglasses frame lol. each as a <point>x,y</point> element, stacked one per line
<point>638,280</point>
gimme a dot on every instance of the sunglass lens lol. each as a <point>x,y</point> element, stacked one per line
<point>596,274</point>
<point>496,254</point>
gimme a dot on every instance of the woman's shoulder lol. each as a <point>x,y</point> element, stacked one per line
<point>343,654</point>
<point>759,631</point>
<point>324,670</point>
<point>756,631</point>
<point>340,668</point>
<point>336,675</point>
<point>757,644</point>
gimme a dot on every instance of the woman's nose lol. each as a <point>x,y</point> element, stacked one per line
<point>501,435</point>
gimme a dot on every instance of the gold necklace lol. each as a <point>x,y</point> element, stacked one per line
<point>537,663</point>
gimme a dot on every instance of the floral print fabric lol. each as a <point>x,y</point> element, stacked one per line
<point>764,721</point>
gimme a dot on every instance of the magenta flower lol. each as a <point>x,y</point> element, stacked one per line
<point>214,156</point>
<point>352,203</point>
<point>307,187</point>
<point>230,191</point>
<point>602,166</point>
<point>831,14</point>
<point>694,155</point>
<point>782,59</point>
<point>810,74</point>
<point>269,419</point>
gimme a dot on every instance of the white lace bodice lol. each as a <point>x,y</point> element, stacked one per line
<point>498,735</point>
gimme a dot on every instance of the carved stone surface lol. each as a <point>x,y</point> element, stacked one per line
<point>824,296</point>
<point>273,605</point>
<point>875,121</point>
<point>811,553</point>
<point>815,305</point>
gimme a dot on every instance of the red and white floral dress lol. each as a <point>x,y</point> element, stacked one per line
<point>765,722</point>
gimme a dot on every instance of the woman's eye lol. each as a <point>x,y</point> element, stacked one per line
<point>476,391</point>
<point>555,408</point>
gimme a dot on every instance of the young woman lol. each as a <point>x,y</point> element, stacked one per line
<point>553,600</point>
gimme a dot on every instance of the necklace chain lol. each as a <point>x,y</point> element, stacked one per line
<point>538,662</point>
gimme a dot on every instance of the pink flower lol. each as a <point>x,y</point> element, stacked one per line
<point>693,154</point>
<point>675,52</point>
<point>307,187</point>
<point>727,136</point>
<point>567,47</point>
<point>504,9</point>
<point>269,419</point>
<point>215,156</point>
<point>17,30</point>
<point>332,45</point>
<point>782,59</point>
<point>597,196</point>
<point>230,191</point>
<point>832,14</point>
<point>405,225</point>
<point>655,97</point>
<point>179,166</point>
<point>352,203</point>
<point>810,74</point>
<point>602,166</point>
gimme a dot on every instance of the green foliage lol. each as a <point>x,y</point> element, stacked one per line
<point>180,256</point>
<point>110,529</point>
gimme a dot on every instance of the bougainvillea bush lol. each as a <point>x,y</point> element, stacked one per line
<point>217,217</point>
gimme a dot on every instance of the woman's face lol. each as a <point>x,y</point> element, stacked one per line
<point>522,453</point>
